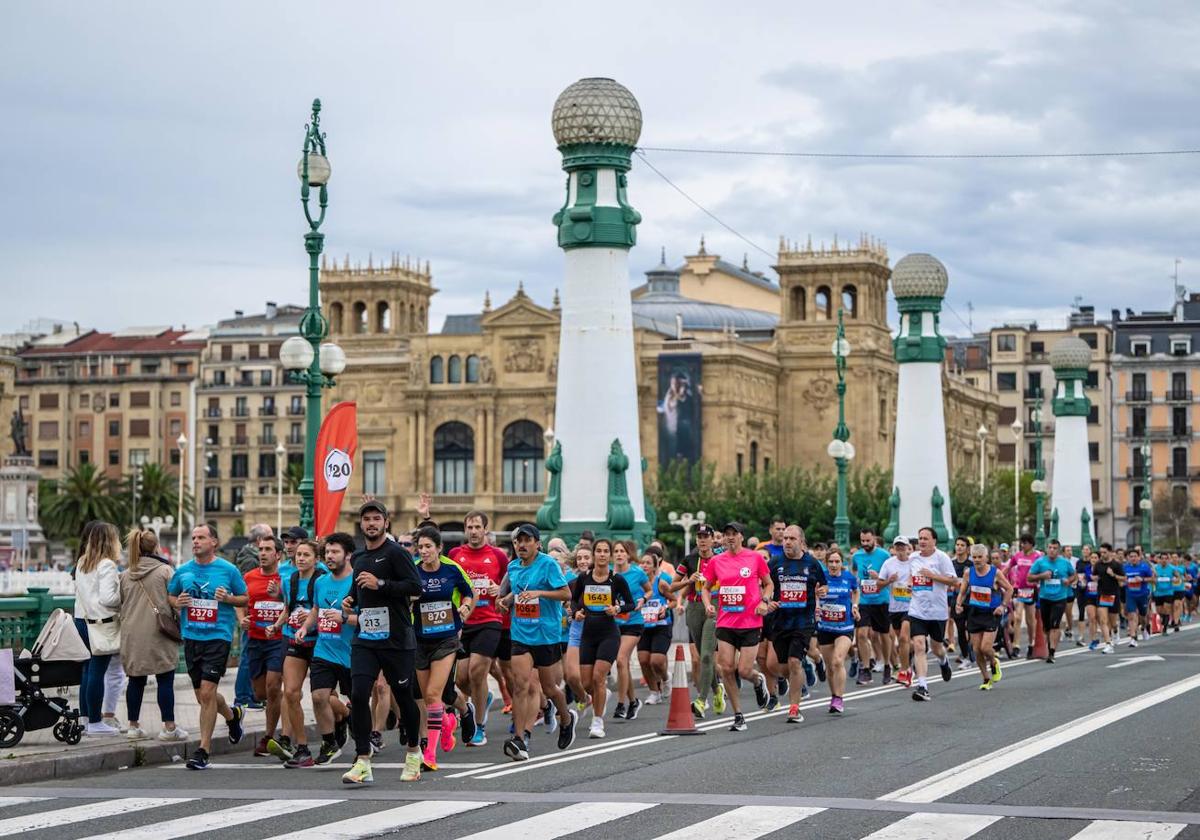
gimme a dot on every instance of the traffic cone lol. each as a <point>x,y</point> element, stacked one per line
<point>679,718</point>
<point>1040,649</point>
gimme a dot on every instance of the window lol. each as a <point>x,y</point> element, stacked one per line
<point>472,368</point>
<point>1137,385</point>
<point>47,401</point>
<point>1093,415</point>
<point>246,379</point>
<point>255,351</point>
<point>360,317</point>
<point>139,428</point>
<point>1093,451</point>
<point>754,456</point>
<point>114,400</point>
<point>1139,422</point>
<point>121,368</point>
<point>849,302</point>
<point>453,458</point>
<point>296,406</point>
<point>85,457</point>
<point>264,377</point>
<point>1179,386</point>
<point>883,416</point>
<point>173,457</point>
<point>183,368</point>
<point>85,400</point>
<point>1140,347</point>
<point>48,430</point>
<point>85,428</point>
<point>1089,338</point>
<point>295,435</point>
<point>436,371</point>
<point>799,303</point>
<point>1033,383</point>
<point>213,468</point>
<point>1006,343</point>
<point>1008,414</point>
<point>766,465</point>
<point>218,377</point>
<point>176,399</point>
<point>268,407</point>
<point>268,433</point>
<point>1138,492</point>
<point>214,433</point>
<point>523,457</point>
<point>239,465</point>
<point>212,498</point>
<point>1179,462</point>
<point>335,318</point>
<point>1092,380</point>
<point>114,457</point>
<point>1006,381</point>
<point>237,496</point>
<point>739,463</point>
<point>138,457</point>
<point>1031,455</point>
<point>454,370</point>
<point>383,317</point>
<point>1006,452</point>
<point>823,304</point>
<point>1179,421</point>
<point>226,352</point>
<point>1095,490</point>
<point>176,426</point>
<point>47,457</point>
<point>241,408</point>
<point>1037,347</point>
<point>150,367</point>
<point>1181,346</point>
<point>114,428</point>
<point>1139,460</point>
<point>374,472</point>
<point>266,465</point>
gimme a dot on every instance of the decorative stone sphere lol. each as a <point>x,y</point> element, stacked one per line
<point>919,275</point>
<point>1070,354</point>
<point>596,111</point>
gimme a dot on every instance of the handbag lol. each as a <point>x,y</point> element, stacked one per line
<point>168,624</point>
<point>104,637</point>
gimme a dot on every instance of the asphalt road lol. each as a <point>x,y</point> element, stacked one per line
<point>1074,749</point>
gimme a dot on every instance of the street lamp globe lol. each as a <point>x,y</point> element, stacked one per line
<point>280,450</point>
<point>333,359</point>
<point>836,449</point>
<point>319,170</point>
<point>849,456</point>
<point>701,516</point>
<point>1144,504</point>
<point>181,441</point>
<point>1016,428</point>
<point>840,347</point>
<point>296,353</point>
<point>981,432</point>
<point>672,517</point>
<point>1038,486</point>
<point>1146,450</point>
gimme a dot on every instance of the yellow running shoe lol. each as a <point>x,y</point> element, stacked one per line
<point>996,672</point>
<point>719,699</point>
<point>359,774</point>
<point>412,767</point>
<point>987,686</point>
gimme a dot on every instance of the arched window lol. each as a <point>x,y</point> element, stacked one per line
<point>412,320</point>
<point>402,317</point>
<point>335,318</point>
<point>454,458</point>
<point>437,371</point>
<point>472,368</point>
<point>753,456</point>
<point>524,451</point>
<point>383,317</point>
<point>360,317</point>
<point>850,301</point>
<point>454,370</point>
<point>823,304</point>
<point>799,303</point>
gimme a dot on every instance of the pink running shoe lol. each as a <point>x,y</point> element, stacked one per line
<point>449,724</point>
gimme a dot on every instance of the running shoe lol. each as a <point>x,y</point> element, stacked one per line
<point>548,716</point>
<point>719,699</point>
<point>1015,652</point>
<point>359,774</point>
<point>480,737</point>
<point>1050,658</point>
<point>376,742</point>
<point>176,734</point>
<point>921,693</point>
<point>235,724</point>
<point>300,759</point>
<point>486,709</point>
<point>447,741</point>
<point>412,768</point>
<point>254,706</point>
<point>566,731</point>
<point>876,666</point>
<point>515,749</point>
<point>810,676</point>
<point>597,730</point>
<point>198,760</point>
<point>781,686</point>
<point>947,672</point>
<point>996,672</point>
<point>467,722</point>
<point>853,670</point>
<point>987,686</point>
<point>341,730</point>
<point>260,748</point>
<point>864,678</point>
<point>327,753</point>
<point>507,710</point>
<point>654,698</point>
<point>887,674</point>
<point>619,712</point>
<point>804,692</point>
<point>1133,642</point>
<point>836,706</point>
<point>967,665</point>
<point>281,748</point>
<point>428,757</point>
<point>761,695</point>
<point>1095,643</point>
<point>821,670</point>
<point>1029,652</point>
<point>631,712</point>
<point>698,709</point>
<point>739,723</point>
<point>1107,648</point>
<point>904,677</point>
<point>1079,643</point>
<point>772,702</point>
<point>794,715</point>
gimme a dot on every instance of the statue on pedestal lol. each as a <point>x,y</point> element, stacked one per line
<point>17,429</point>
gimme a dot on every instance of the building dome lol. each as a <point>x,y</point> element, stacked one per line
<point>919,275</point>
<point>596,111</point>
<point>1070,354</point>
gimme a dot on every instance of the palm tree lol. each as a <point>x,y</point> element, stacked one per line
<point>83,494</point>
<point>293,476</point>
<point>158,494</point>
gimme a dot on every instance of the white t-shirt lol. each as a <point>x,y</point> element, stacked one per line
<point>901,588</point>
<point>929,601</point>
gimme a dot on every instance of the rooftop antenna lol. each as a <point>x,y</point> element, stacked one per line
<point>971,317</point>
<point>1175,277</point>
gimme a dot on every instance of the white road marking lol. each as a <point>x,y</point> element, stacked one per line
<point>215,820</point>
<point>1122,830</point>
<point>80,813</point>
<point>964,775</point>
<point>5,801</point>
<point>559,822</point>
<point>377,765</point>
<point>382,822</point>
<point>934,827</point>
<point>1133,660</point>
<point>743,823</point>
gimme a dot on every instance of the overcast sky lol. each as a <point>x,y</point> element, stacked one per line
<point>150,148</point>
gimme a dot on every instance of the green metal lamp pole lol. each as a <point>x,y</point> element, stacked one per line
<point>1146,504</point>
<point>840,449</point>
<point>1039,475</point>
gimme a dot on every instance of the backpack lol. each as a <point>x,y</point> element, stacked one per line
<point>291,605</point>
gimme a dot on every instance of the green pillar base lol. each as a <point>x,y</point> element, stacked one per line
<point>570,532</point>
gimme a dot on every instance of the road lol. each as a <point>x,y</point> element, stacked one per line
<point>1077,749</point>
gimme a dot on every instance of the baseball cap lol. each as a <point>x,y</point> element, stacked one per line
<point>295,533</point>
<point>528,530</point>
<point>373,504</point>
<point>704,531</point>
<point>902,541</point>
<point>1004,546</point>
<point>735,526</point>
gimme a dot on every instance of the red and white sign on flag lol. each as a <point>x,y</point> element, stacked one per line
<point>336,443</point>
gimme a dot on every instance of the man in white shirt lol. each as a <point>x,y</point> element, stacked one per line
<point>932,573</point>
<point>896,573</point>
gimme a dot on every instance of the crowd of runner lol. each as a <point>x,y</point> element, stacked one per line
<point>402,635</point>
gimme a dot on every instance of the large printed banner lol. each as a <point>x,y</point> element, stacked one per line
<point>679,407</point>
<point>336,443</point>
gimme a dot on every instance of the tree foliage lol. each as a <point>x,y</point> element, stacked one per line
<point>1175,525</point>
<point>84,493</point>
<point>159,493</point>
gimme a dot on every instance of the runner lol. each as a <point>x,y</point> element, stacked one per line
<point>1017,572</point>
<point>658,621</point>
<point>1054,576</point>
<point>1138,577</point>
<point>329,671</point>
<point>597,597</point>
<point>796,578</point>
<point>205,591</point>
<point>932,572</point>
<point>1164,591</point>
<point>1180,589</point>
<point>702,628</point>
<point>1109,578</point>
<point>298,599</point>
<point>631,624</point>
<point>744,590</point>
<point>385,580</point>
<point>264,649</point>
<point>766,658</point>
<point>581,561</point>
<point>538,590</point>
<point>957,623</point>
<point>874,631</point>
<point>1192,574</point>
<point>836,618</point>
<point>983,596</point>
<point>896,577</point>
<point>1084,617</point>
<point>447,599</point>
<point>484,637</point>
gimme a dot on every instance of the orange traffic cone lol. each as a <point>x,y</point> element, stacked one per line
<point>679,719</point>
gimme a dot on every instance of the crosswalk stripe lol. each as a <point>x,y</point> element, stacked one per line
<point>5,801</point>
<point>1122,830</point>
<point>743,823</point>
<point>562,821</point>
<point>392,819</point>
<point>934,827</point>
<point>216,820</point>
<point>80,813</point>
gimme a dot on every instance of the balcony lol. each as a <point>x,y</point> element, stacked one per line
<point>296,410</point>
<point>1138,397</point>
<point>267,440</point>
<point>267,411</point>
<point>294,440</point>
<point>1034,393</point>
<point>1181,431</point>
<point>240,440</point>
<point>1031,428</point>
<point>212,412</point>
<point>1184,474</point>
<point>1157,432</point>
<point>1179,396</point>
<point>241,411</point>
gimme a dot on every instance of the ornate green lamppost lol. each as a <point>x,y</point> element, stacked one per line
<point>840,449</point>
<point>1038,486</point>
<point>307,357</point>
<point>1146,505</point>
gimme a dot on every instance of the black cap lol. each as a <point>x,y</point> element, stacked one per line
<point>295,533</point>
<point>528,530</point>
<point>373,504</point>
<point>735,526</point>
<point>704,529</point>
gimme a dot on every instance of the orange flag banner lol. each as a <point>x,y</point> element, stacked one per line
<point>336,443</point>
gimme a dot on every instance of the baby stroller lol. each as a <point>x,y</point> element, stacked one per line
<point>56,661</point>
